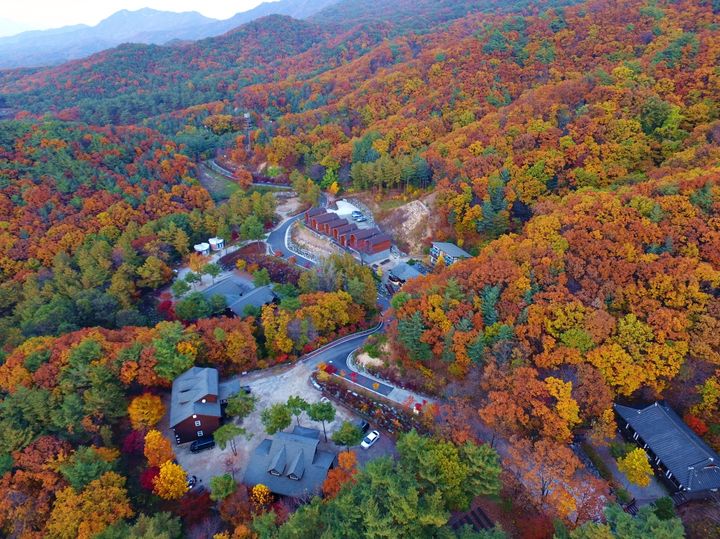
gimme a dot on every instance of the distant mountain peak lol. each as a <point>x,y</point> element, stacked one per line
<point>145,25</point>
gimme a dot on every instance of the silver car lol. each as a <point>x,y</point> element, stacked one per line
<point>369,440</point>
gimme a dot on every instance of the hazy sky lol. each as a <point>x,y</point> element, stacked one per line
<point>19,15</point>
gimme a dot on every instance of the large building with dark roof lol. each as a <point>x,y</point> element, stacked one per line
<point>290,464</point>
<point>240,294</point>
<point>684,460</point>
<point>196,403</point>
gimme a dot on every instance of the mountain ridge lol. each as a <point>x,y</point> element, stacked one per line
<point>38,48</point>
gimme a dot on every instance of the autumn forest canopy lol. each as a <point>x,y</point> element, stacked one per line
<point>571,147</point>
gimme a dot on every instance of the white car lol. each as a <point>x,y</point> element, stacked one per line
<point>369,440</point>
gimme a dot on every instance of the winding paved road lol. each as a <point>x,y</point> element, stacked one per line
<point>336,353</point>
<point>276,241</point>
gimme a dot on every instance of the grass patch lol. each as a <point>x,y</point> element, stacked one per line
<point>219,187</point>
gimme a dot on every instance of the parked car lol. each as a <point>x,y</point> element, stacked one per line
<point>191,481</point>
<point>202,444</point>
<point>360,219</point>
<point>370,439</point>
<point>315,384</point>
<point>357,213</point>
<point>362,425</point>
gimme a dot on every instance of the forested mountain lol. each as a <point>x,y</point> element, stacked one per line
<point>572,147</point>
<point>148,26</point>
<point>103,88</point>
<point>48,47</point>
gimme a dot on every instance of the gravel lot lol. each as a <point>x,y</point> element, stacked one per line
<point>269,390</point>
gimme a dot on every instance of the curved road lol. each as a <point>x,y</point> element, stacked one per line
<point>334,354</point>
<point>276,241</point>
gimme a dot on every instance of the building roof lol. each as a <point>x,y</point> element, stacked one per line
<point>290,464</point>
<point>325,218</point>
<point>689,459</point>
<point>239,293</point>
<point>187,391</point>
<point>451,249</point>
<point>346,229</point>
<point>378,238</point>
<point>231,289</point>
<point>337,222</point>
<point>201,246</point>
<point>315,211</point>
<point>228,388</point>
<point>256,298</point>
<point>404,272</point>
<point>366,233</point>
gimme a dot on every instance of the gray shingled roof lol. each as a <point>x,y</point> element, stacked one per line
<point>404,272</point>
<point>689,459</point>
<point>228,388</point>
<point>451,249</point>
<point>231,288</point>
<point>288,454</point>
<point>187,391</point>
<point>239,293</point>
<point>257,298</point>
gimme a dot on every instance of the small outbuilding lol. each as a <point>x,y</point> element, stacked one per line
<point>202,248</point>
<point>216,244</point>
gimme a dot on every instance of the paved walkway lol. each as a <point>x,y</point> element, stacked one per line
<point>642,495</point>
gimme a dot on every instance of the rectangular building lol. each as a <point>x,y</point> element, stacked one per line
<point>678,454</point>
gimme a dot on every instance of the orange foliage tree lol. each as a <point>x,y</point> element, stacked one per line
<point>158,449</point>
<point>343,474</point>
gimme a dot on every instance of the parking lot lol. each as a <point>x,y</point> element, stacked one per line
<point>269,389</point>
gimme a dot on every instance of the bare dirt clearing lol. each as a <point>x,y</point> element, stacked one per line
<point>286,205</point>
<point>365,360</point>
<point>409,223</point>
<point>308,240</point>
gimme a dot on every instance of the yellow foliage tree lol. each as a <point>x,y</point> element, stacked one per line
<point>81,515</point>
<point>567,408</point>
<point>261,496</point>
<point>145,411</point>
<point>171,482</point>
<point>636,467</point>
<point>157,448</point>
